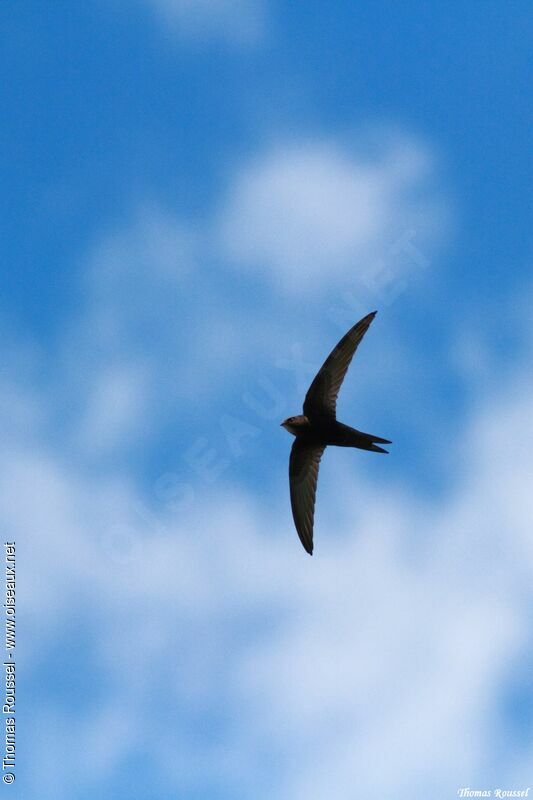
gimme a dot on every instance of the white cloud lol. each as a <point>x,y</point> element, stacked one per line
<point>238,22</point>
<point>311,213</point>
<point>114,411</point>
<point>152,252</point>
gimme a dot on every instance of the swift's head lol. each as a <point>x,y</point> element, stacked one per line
<point>296,425</point>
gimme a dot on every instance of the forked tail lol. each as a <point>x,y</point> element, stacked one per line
<point>366,441</point>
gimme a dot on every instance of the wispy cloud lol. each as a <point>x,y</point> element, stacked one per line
<point>237,22</point>
<point>308,213</point>
<point>114,410</point>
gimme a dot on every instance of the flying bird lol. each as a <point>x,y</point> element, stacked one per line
<point>318,427</point>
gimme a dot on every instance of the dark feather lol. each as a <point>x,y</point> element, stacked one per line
<point>321,398</point>
<point>303,475</point>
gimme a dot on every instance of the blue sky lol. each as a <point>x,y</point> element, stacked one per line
<point>199,198</point>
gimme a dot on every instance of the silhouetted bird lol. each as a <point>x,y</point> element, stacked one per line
<point>317,427</point>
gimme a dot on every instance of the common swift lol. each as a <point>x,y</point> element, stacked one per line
<point>318,427</point>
